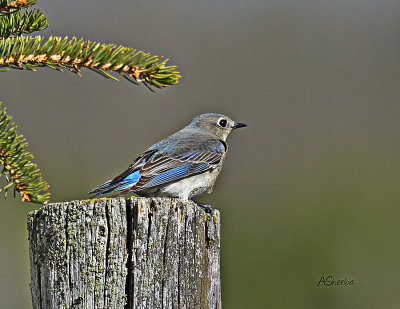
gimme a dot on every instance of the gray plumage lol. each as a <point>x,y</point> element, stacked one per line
<point>183,165</point>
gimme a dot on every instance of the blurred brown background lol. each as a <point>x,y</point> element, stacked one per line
<point>310,188</point>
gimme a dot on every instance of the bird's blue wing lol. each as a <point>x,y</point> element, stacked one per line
<point>166,167</point>
<point>127,178</point>
<point>177,173</point>
<point>159,166</point>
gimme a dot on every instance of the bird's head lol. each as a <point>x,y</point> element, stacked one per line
<point>217,124</point>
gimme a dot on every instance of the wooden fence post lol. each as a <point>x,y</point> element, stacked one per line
<point>117,253</point>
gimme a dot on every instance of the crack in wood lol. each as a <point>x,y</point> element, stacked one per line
<point>107,217</point>
<point>164,262</point>
<point>150,215</point>
<point>129,249</point>
<point>66,246</point>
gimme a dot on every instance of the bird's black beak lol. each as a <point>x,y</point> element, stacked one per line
<point>239,125</point>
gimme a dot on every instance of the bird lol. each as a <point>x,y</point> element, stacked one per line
<point>184,165</point>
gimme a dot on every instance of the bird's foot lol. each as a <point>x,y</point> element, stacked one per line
<point>207,207</point>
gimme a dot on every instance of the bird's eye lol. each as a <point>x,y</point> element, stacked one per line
<point>222,123</point>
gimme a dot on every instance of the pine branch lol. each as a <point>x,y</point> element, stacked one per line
<point>18,23</point>
<point>7,6</point>
<point>18,169</point>
<point>57,53</point>
<point>26,53</point>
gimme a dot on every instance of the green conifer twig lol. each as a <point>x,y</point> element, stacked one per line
<point>7,6</point>
<point>58,53</point>
<point>26,53</point>
<point>18,23</point>
<point>18,169</point>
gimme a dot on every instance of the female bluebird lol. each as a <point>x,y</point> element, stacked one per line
<point>183,165</point>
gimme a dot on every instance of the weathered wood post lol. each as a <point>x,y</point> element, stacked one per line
<point>117,253</point>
